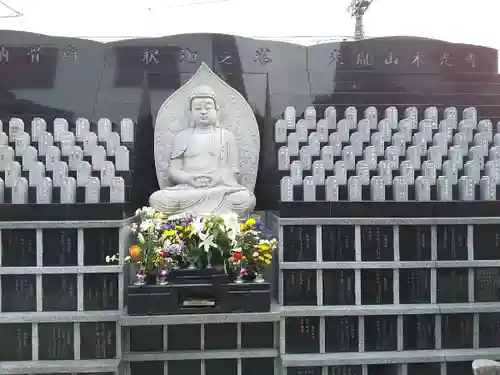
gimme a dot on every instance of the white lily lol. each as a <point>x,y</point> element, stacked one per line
<point>198,225</point>
<point>207,241</point>
<point>232,225</point>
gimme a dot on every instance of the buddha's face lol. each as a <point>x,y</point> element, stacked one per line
<point>203,112</point>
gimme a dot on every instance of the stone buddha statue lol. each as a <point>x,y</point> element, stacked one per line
<point>203,166</point>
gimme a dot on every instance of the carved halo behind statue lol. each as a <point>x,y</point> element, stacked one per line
<point>206,149</point>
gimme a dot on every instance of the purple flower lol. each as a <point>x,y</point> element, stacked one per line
<point>176,248</point>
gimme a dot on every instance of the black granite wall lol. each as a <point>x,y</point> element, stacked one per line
<point>64,77</point>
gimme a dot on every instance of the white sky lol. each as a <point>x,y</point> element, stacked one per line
<point>463,21</point>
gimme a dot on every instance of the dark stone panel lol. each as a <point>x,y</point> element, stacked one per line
<point>299,287</point>
<point>339,287</point>
<point>377,287</point>
<point>184,337</point>
<point>257,335</point>
<point>221,336</point>
<point>131,78</point>
<point>311,370</point>
<point>56,341</point>
<point>16,342</point>
<point>341,334</point>
<point>157,368</point>
<point>452,242</point>
<point>60,247</point>
<point>18,247</point>
<point>486,284</point>
<point>414,243</point>
<point>486,242</point>
<point>452,285</point>
<point>299,243</point>
<point>101,292</point>
<point>191,367</point>
<point>221,366</point>
<point>344,370</point>
<point>98,243</point>
<point>414,286</point>
<point>262,366</point>
<point>59,292</point>
<point>381,333</point>
<point>489,330</point>
<point>18,293</point>
<point>457,331</point>
<point>302,335</point>
<point>418,332</point>
<point>146,339</point>
<point>377,243</point>
<point>338,243</point>
<point>98,340</point>
<point>424,368</point>
<point>384,369</point>
<point>459,368</point>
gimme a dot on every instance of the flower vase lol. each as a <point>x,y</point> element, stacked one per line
<point>191,266</point>
<point>163,276</point>
<point>239,279</point>
<point>259,278</point>
<point>140,278</point>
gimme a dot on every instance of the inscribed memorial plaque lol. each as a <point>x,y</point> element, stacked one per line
<point>345,370</point>
<point>415,286</point>
<point>16,342</point>
<point>414,243</point>
<point>18,293</point>
<point>486,242</point>
<point>221,336</point>
<point>452,242</point>
<point>452,285</point>
<point>56,341</point>
<point>265,338</point>
<point>154,367</point>
<point>489,330</point>
<point>60,247</point>
<point>261,366</point>
<point>59,292</point>
<point>381,333</point>
<point>221,366</point>
<point>18,247</point>
<point>184,337</point>
<point>191,367</point>
<point>99,242</point>
<point>304,370</point>
<point>299,287</point>
<point>377,243</point>
<point>299,243</point>
<point>146,339</point>
<point>424,368</point>
<point>341,334</point>
<point>338,243</point>
<point>302,335</point>
<point>457,331</point>
<point>98,340</point>
<point>418,332</point>
<point>338,287</point>
<point>486,284</point>
<point>101,292</point>
<point>376,287</point>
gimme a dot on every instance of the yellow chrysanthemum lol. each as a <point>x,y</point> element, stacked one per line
<point>261,258</point>
<point>169,233</point>
<point>179,227</point>
<point>267,261</point>
<point>250,222</point>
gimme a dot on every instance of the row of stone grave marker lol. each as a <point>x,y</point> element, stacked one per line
<point>289,122</point>
<point>400,188</point>
<point>68,191</point>
<point>61,128</point>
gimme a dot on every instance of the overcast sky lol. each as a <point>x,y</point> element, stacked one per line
<point>464,21</point>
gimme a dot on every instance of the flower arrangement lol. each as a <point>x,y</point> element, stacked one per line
<point>164,243</point>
